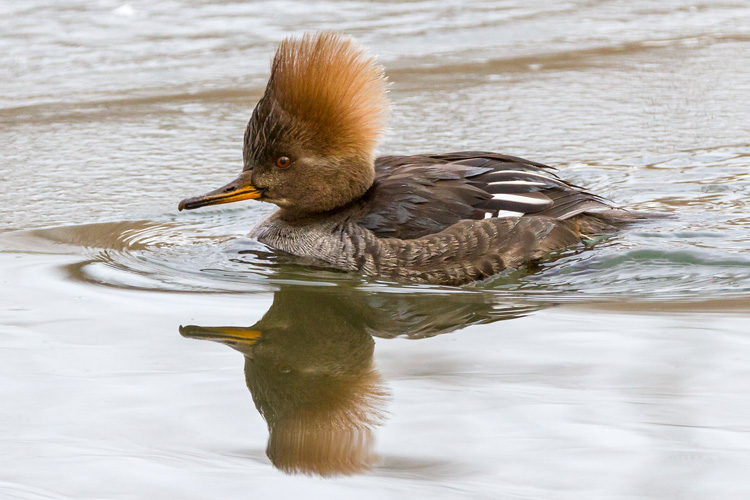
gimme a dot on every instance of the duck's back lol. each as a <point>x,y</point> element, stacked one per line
<point>418,195</point>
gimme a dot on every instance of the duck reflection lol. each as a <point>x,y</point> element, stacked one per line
<point>309,366</point>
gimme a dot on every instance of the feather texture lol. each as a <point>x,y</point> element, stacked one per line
<point>327,82</point>
<point>418,195</point>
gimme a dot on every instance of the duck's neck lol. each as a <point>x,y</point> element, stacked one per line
<point>315,240</point>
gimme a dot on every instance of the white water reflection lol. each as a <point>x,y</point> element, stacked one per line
<point>113,111</point>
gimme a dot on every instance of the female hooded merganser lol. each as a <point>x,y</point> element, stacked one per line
<point>438,218</point>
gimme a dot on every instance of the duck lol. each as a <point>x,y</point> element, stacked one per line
<point>442,219</point>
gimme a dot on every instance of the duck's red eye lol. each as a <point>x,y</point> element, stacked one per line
<point>283,161</point>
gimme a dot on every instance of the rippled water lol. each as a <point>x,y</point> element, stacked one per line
<point>619,371</point>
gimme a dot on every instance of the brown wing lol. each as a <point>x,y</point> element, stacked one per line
<point>419,195</point>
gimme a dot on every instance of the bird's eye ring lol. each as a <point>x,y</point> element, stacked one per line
<point>283,161</point>
<point>283,368</point>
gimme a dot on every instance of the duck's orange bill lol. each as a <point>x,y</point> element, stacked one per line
<point>239,189</point>
<point>222,333</point>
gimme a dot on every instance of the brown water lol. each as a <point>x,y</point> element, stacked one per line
<point>619,372</point>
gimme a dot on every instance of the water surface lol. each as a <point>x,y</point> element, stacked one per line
<point>616,372</point>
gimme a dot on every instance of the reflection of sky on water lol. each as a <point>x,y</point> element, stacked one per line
<point>111,113</point>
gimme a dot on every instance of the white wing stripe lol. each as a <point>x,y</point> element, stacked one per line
<point>508,213</point>
<point>517,198</point>
<point>516,183</point>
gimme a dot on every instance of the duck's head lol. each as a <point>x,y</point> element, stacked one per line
<point>309,145</point>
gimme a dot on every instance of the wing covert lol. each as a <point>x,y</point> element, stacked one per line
<point>423,194</point>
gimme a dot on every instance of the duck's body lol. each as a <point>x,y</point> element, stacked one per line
<point>443,219</point>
